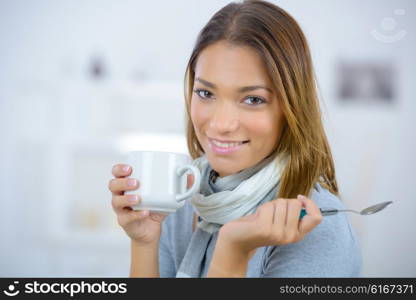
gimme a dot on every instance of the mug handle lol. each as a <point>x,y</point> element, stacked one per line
<point>195,185</point>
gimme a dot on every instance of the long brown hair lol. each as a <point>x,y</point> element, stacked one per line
<point>280,42</point>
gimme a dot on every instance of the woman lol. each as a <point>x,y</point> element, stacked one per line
<point>254,129</point>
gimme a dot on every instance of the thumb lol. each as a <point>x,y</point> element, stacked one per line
<point>190,181</point>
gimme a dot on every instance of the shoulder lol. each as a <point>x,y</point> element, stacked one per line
<point>337,227</point>
<point>324,198</point>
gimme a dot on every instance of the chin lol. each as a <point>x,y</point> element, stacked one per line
<point>226,168</point>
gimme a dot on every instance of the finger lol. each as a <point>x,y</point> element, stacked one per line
<point>125,201</point>
<point>313,215</point>
<point>265,213</point>
<point>121,170</point>
<point>127,217</point>
<point>118,185</point>
<point>280,214</point>
<point>190,181</point>
<point>294,207</point>
<point>158,217</point>
<point>292,222</point>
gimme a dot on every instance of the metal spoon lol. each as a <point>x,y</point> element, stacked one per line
<point>367,211</point>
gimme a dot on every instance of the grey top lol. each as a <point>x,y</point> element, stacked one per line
<point>331,249</point>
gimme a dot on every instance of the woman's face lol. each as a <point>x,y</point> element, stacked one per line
<point>233,101</point>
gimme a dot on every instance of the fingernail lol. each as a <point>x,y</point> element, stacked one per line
<point>126,169</point>
<point>133,198</point>
<point>301,198</point>
<point>144,213</point>
<point>131,182</point>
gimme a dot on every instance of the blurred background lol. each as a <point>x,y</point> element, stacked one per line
<point>82,82</point>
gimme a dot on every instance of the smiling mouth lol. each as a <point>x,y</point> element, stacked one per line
<point>226,144</point>
<point>226,148</point>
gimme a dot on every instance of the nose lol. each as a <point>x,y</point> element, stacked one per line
<point>224,118</point>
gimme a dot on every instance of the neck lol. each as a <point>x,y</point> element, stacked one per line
<point>215,174</point>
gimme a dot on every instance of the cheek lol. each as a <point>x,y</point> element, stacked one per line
<point>266,128</point>
<point>199,115</point>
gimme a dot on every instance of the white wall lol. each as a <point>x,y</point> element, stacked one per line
<point>61,130</point>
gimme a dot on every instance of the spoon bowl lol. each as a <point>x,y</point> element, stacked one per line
<point>375,208</point>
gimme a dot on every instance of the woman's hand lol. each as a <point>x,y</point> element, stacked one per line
<point>274,223</point>
<point>141,225</point>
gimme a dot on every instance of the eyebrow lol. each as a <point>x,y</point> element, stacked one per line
<point>241,90</point>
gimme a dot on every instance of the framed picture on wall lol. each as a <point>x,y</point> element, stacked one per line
<point>366,82</point>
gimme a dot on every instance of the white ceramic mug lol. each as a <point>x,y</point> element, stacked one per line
<point>162,179</point>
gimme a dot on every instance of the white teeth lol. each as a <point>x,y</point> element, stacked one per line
<point>226,145</point>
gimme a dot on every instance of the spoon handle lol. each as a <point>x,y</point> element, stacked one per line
<point>325,212</point>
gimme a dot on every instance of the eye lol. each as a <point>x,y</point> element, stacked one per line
<point>202,93</point>
<point>257,100</point>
